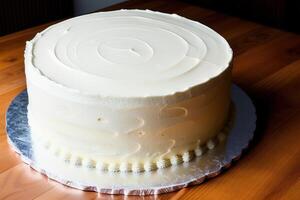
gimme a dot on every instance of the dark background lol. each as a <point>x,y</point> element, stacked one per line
<point>283,14</point>
<point>16,15</point>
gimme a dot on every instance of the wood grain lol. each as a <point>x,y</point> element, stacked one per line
<point>266,65</point>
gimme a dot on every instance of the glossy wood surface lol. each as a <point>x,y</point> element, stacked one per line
<point>266,65</point>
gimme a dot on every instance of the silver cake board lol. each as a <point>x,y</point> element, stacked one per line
<point>169,179</point>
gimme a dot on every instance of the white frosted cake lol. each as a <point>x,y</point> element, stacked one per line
<point>128,90</point>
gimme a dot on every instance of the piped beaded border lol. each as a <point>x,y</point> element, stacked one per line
<point>148,166</point>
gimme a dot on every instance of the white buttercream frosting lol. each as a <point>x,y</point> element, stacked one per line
<point>210,144</point>
<point>136,53</point>
<point>187,156</point>
<point>149,166</point>
<point>76,160</point>
<point>125,167</point>
<point>113,167</point>
<point>101,166</point>
<point>163,163</point>
<point>66,157</point>
<point>126,87</point>
<point>137,167</point>
<point>55,150</point>
<point>89,163</point>
<point>198,151</point>
<point>176,159</point>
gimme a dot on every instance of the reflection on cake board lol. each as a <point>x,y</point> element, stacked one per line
<point>164,180</point>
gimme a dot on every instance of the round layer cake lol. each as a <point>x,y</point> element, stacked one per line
<point>127,90</point>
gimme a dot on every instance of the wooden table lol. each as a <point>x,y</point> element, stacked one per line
<point>266,65</point>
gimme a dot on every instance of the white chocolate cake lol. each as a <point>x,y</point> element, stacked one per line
<point>128,90</point>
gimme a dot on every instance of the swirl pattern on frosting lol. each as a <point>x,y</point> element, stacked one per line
<point>127,91</point>
<point>130,53</point>
<point>137,167</point>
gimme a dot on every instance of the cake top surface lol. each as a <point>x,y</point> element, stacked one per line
<point>129,53</point>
